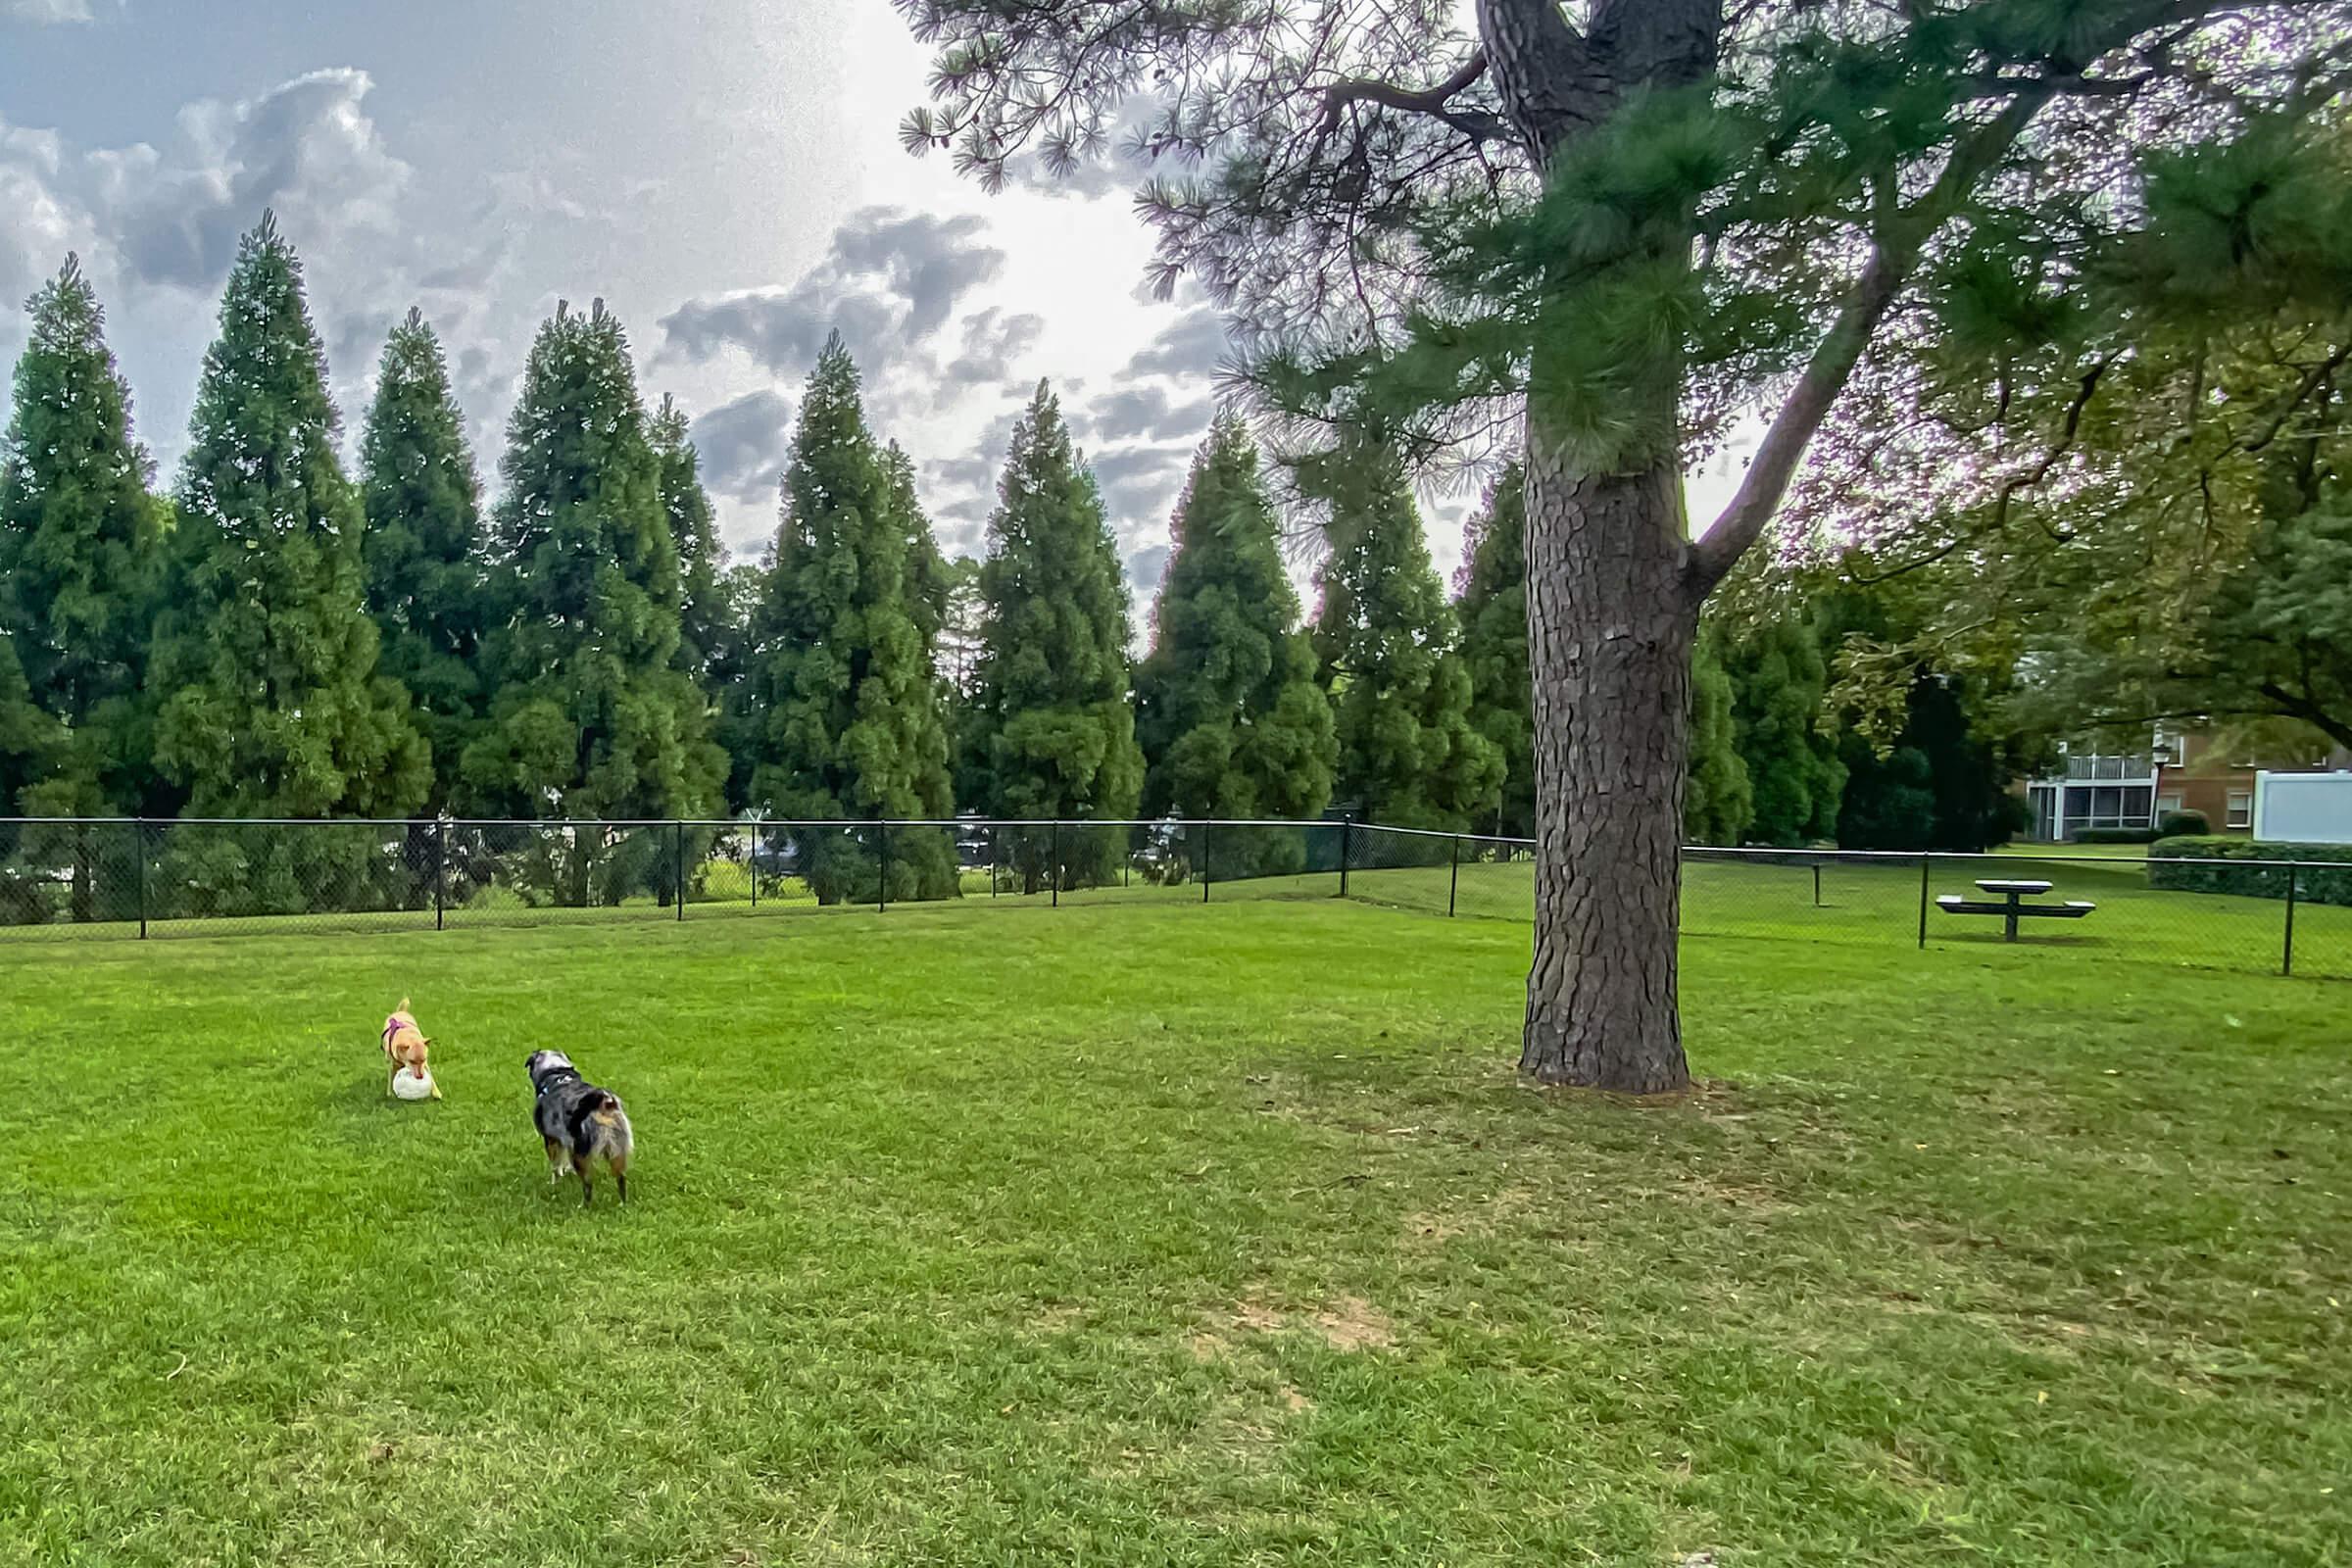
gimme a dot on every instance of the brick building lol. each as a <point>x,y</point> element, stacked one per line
<point>2179,772</point>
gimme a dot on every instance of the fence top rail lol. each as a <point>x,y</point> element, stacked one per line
<point>736,822</point>
<point>1699,851</point>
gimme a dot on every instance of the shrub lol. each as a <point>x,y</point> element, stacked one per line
<point>2215,863</point>
<point>2116,835</point>
<point>2183,825</point>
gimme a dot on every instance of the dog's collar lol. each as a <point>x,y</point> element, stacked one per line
<point>555,1076</point>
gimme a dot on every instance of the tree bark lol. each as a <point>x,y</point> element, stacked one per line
<point>1612,609</point>
<point>1612,615</point>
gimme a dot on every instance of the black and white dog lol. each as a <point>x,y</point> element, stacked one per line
<point>580,1123</point>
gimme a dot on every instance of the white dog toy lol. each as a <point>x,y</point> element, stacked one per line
<point>408,1086</point>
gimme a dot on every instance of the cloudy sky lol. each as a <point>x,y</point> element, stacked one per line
<point>724,173</point>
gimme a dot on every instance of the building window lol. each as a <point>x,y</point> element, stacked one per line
<point>2167,804</point>
<point>2241,807</point>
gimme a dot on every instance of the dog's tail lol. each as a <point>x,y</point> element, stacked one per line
<point>404,1006</point>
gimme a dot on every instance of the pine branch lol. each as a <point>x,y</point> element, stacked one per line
<point>1895,254</point>
<point>1477,125</point>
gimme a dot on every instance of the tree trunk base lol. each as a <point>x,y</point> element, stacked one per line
<point>1611,621</point>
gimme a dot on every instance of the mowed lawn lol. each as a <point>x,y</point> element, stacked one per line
<point>1155,1234</point>
<point>1877,904</point>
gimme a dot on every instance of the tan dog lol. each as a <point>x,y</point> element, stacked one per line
<point>405,1047</point>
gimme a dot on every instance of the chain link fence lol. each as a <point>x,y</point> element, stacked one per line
<point>129,880</point>
<point>2260,917</point>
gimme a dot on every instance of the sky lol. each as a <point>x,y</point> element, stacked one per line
<point>724,173</point>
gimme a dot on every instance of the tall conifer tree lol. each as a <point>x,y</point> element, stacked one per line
<point>843,683</point>
<point>1052,729</point>
<point>1227,710</point>
<point>273,704</point>
<point>1779,680</point>
<point>1718,802</point>
<point>591,716</point>
<point>1493,617</point>
<point>702,604</point>
<point>422,553</point>
<point>1386,640</point>
<point>79,537</point>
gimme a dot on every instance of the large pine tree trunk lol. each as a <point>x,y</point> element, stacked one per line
<point>1612,609</point>
<point>1611,618</point>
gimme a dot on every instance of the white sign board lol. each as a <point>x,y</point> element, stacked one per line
<point>2303,808</point>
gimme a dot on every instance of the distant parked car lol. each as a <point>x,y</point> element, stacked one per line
<point>777,856</point>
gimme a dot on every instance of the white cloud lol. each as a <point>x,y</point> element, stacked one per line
<point>46,13</point>
<point>889,282</point>
<point>744,446</point>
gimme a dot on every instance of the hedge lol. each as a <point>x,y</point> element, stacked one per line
<point>2175,863</point>
<point>2183,825</point>
<point>2116,835</point>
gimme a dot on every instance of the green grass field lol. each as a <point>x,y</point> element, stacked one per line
<point>1159,1234</point>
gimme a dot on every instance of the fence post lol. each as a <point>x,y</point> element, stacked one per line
<point>754,866</point>
<point>1055,869</point>
<point>2286,958</point>
<point>1817,884</point>
<point>1926,859</point>
<point>882,882</point>
<point>1347,848</point>
<point>1204,862</point>
<point>679,855</point>
<point>994,860</point>
<point>139,853</point>
<point>1454,877</point>
<point>440,867</point>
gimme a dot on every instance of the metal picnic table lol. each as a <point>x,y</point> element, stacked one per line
<point>2014,892</point>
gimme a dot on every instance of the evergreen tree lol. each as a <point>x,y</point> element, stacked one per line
<point>843,683</point>
<point>930,579</point>
<point>79,540</point>
<point>1051,728</point>
<point>591,717</point>
<point>1777,679</point>
<point>29,742</point>
<point>29,739</point>
<point>703,602</point>
<point>734,724</point>
<point>961,628</point>
<point>1928,753</point>
<point>273,705</point>
<point>1718,802</point>
<point>1227,710</point>
<point>422,552</point>
<point>1493,615</point>
<point>1385,639</point>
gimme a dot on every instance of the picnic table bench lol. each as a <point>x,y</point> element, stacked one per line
<point>2013,905</point>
